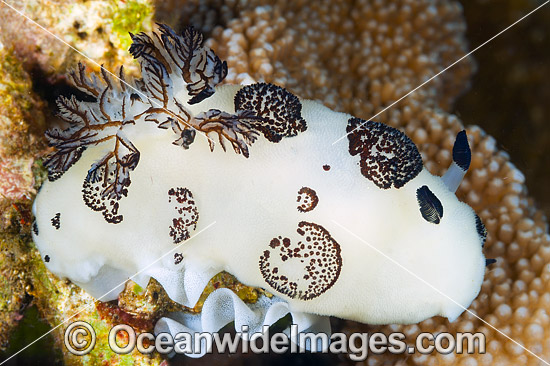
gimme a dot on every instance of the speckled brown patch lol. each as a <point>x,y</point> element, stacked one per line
<point>56,221</point>
<point>481,230</point>
<point>388,157</point>
<point>307,199</point>
<point>280,110</point>
<point>317,256</point>
<point>188,214</point>
<point>96,198</point>
<point>178,258</point>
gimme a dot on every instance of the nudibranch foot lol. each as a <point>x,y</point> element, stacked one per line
<point>223,307</point>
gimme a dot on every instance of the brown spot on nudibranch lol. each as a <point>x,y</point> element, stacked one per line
<point>320,261</point>
<point>178,257</point>
<point>388,157</point>
<point>96,199</point>
<point>47,258</point>
<point>56,221</point>
<point>280,111</point>
<point>135,97</point>
<point>307,199</point>
<point>185,206</point>
<point>35,228</point>
<point>326,167</point>
<point>481,230</point>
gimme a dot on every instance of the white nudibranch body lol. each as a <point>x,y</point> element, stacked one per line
<point>356,229</point>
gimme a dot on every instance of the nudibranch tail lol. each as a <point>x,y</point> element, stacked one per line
<point>462,156</point>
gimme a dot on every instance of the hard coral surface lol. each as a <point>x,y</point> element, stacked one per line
<point>98,29</point>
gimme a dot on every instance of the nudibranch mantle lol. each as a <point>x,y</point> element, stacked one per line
<point>340,229</point>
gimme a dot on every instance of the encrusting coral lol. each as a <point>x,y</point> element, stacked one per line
<point>99,29</point>
<point>359,58</point>
<point>17,153</point>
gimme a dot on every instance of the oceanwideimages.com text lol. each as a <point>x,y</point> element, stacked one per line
<point>80,339</point>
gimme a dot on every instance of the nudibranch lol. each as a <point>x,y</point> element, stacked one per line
<point>355,228</point>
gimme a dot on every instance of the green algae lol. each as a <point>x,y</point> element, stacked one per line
<point>17,106</point>
<point>132,16</point>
